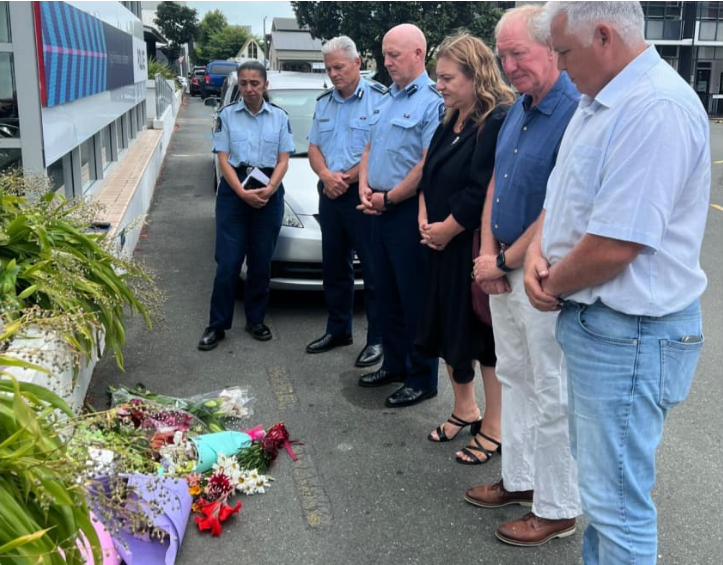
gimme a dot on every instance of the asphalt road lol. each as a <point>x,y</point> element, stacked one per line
<point>368,487</point>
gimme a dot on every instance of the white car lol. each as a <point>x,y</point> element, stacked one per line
<point>296,264</point>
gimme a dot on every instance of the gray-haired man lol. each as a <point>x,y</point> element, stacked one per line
<point>339,133</point>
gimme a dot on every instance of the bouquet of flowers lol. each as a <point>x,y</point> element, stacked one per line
<point>213,492</point>
<point>219,410</point>
<point>265,449</point>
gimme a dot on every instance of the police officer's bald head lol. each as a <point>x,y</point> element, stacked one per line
<point>404,48</point>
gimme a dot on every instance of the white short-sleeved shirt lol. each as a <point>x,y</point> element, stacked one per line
<point>634,165</point>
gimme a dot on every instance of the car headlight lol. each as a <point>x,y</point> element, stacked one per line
<point>290,220</point>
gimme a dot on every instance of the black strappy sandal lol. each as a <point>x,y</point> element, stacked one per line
<point>472,451</point>
<point>475,427</point>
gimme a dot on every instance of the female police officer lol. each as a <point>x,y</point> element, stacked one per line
<point>251,133</point>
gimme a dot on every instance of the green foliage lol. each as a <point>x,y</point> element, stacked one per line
<point>213,22</point>
<point>177,24</point>
<point>155,68</point>
<point>56,274</point>
<point>42,508</point>
<point>367,22</point>
<point>225,44</point>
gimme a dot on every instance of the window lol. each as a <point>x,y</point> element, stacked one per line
<point>124,131</point>
<point>56,175</point>
<point>663,20</point>
<point>9,121</point>
<point>139,118</point>
<point>10,158</point>
<point>133,123</point>
<point>106,153</point>
<point>87,163</point>
<point>253,51</point>
<point>669,53</point>
<point>5,36</point>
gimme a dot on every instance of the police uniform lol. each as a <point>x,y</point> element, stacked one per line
<point>401,128</point>
<point>243,232</point>
<point>340,130</point>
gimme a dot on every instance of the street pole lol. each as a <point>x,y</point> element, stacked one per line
<point>265,44</point>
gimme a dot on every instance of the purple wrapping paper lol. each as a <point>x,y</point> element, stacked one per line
<point>146,551</point>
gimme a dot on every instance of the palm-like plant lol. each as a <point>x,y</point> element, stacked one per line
<point>57,274</point>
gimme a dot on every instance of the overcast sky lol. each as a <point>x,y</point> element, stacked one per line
<point>246,13</point>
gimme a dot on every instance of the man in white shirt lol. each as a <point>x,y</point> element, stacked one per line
<point>618,255</point>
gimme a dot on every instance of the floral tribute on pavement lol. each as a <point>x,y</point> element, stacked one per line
<point>153,460</point>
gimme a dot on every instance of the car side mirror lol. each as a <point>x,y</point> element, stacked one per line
<point>212,101</point>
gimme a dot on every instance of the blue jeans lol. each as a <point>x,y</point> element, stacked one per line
<point>624,374</point>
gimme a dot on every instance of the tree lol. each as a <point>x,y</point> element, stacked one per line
<point>367,22</point>
<point>178,24</point>
<point>211,23</point>
<point>226,43</point>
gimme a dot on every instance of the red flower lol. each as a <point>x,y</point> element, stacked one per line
<point>215,513</point>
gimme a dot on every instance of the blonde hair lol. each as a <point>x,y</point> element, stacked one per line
<point>479,64</point>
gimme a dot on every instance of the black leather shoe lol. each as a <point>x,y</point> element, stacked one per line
<point>370,355</point>
<point>259,331</point>
<point>408,396</point>
<point>210,338</point>
<point>380,378</point>
<point>328,342</point>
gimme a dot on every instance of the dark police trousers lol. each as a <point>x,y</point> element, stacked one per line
<point>243,232</point>
<point>345,229</point>
<point>400,267</point>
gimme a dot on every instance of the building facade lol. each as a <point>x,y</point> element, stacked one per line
<point>292,48</point>
<point>689,35</point>
<point>72,89</point>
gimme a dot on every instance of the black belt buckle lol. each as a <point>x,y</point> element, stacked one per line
<point>249,170</point>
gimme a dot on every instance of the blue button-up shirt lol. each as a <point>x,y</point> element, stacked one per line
<point>401,128</point>
<point>634,165</point>
<point>255,140</point>
<point>526,150</point>
<point>340,128</point>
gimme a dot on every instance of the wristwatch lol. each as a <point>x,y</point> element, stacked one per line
<point>388,204</point>
<point>501,262</point>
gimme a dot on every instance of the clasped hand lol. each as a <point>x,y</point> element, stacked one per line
<point>434,235</point>
<point>537,272</point>
<point>257,198</point>
<point>372,203</point>
<point>336,184</point>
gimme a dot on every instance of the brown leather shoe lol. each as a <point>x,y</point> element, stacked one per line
<point>531,530</point>
<point>495,496</point>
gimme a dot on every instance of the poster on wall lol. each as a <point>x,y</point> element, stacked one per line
<point>80,54</point>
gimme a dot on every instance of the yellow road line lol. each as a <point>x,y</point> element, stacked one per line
<point>718,162</point>
<point>719,208</point>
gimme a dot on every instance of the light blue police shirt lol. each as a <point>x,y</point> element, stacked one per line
<point>634,165</point>
<point>402,127</point>
<point>255,140</point>
<point>340,128</point>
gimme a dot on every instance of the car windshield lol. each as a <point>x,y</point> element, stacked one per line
<point>299,104</point>
<point>221,69</point>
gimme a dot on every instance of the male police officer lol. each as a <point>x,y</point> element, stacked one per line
<point>339,133</point>
<point>391,168</point>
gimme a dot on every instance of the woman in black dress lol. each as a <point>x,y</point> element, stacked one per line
<point>458,168</point>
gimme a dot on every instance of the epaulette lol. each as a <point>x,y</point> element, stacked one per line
<point>379,87</point>
<point>228,106</point>
<point>279,107</point>
<point>325,93</point>
<point>434,88</point>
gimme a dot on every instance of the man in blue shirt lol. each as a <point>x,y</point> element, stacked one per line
<point>339,133</point>
<point>537,465</point>
<point>391,168</point>
<point>618,254</point>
